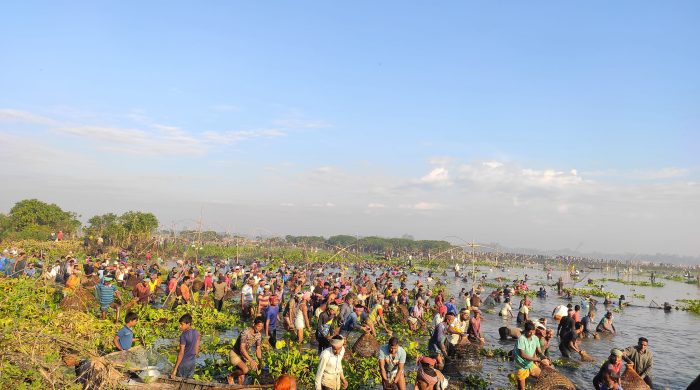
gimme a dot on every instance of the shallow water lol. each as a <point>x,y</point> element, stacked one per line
<point>673,337</point>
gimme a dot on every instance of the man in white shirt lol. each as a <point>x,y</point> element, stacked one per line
<point>247,298</point>
<point>329,375</point>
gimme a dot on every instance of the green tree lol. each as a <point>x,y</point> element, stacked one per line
<point>138,225</point>
<point>32,218</point>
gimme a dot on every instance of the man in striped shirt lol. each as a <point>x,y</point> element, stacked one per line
<point>106,291</point>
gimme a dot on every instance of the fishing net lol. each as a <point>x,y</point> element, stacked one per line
<point>402,312</point>
<point>366,346</point>
<point>632,381</point>
<point>79,299</point>
<point>465,359</point>
<point>90,281</point>
<point>551,379</point>
<point>135,359</point>
<point>585,357</point>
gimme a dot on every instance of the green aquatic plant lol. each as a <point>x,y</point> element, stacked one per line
<point>691,305</point>
<point>643,283</point>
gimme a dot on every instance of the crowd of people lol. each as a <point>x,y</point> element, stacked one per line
<point>333,307</point>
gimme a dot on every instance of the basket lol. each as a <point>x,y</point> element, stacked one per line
<point>366,346</point>
<point>551,379</point>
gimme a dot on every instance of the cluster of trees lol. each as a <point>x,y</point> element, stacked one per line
<point>34,219</point>
<point>123,230</point>
<point>373,244</point>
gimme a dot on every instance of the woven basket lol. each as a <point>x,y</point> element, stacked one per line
<point>632,381</point>
<point>551,379</point>
<point>366,346</point>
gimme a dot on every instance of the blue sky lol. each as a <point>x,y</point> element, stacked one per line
<point>459,118</point>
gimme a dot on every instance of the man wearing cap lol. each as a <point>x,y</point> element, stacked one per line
<point>641,359</point>
<point>324,331</point>
<point>106,292</point>
<point>608,377</point>
<point>329,375</point>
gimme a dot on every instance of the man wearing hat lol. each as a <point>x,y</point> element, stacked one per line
<point>608,377</point>
<point>106,292</point>
<point>458,330</point>
<point>324,331</point>
<point>329,375</point>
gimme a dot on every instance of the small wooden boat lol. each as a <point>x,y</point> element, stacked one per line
<point>190,384</point>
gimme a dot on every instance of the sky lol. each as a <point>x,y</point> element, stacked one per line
<point>541,124</point>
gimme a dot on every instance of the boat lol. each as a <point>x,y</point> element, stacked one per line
<point>190,384</point>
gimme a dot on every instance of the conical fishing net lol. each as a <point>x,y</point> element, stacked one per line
<point>551,379</point>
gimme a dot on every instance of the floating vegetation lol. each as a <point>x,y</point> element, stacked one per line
<point>475,382</point>
<point>633,282</point>
<point>566,363</point>
<point>691,305</point>
<point>494,353</point>
<point>596,292</point>
<point>639,296</point>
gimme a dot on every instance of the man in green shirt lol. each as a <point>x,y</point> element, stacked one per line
<point>526,351</point>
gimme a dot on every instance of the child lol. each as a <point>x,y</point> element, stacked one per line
<point>189,348</point>
<point>124,338</point>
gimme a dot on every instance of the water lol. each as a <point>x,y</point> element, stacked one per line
<point>673,337</point>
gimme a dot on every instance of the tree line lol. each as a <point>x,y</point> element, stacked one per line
<point>34,219</point>
<point>373,244</point>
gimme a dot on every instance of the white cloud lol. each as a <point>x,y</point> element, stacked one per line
<point>422,206</point>
<point>231,137</point>
<point>287,204</point>
<point>376,206</point>
<point>660,174</point>
<point>494,174</point>
<point>327,204</point>
<point>11,115</point>
<point>438,176</point>
<point>148,138</point>
<point>301,124</point>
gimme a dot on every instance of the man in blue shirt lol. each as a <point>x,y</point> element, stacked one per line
<point>124,338</point>
<point>189,348</point>
<point>271,321</point>
<point>353,322</point>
